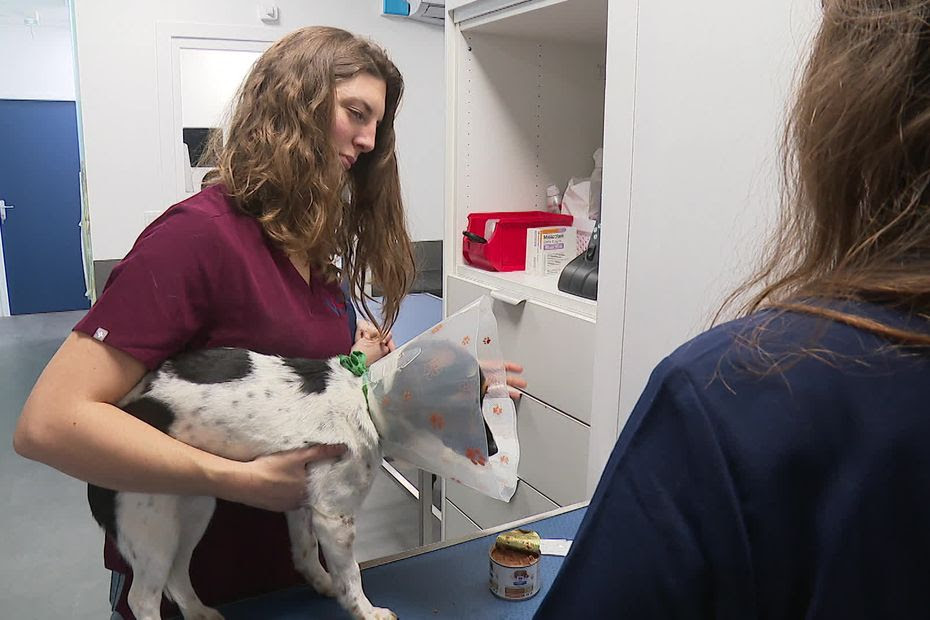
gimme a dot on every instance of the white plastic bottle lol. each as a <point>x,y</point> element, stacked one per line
<point>594,206</point>
<point>553,199</point>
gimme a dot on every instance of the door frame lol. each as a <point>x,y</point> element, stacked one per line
<point>4,292</point>
<point>170,39</point>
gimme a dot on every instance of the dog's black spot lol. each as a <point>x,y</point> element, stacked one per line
<point>313,374</point>
<point>213,365</point>
<point>103,506</point>
<point>234,404</point>
<point>286,439</point>
<point>151,411</point>
<point>250,394</point>
<point>268,394</point>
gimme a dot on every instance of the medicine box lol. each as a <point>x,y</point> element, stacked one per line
<point>549,249</point>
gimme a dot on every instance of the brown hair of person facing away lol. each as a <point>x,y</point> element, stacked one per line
<point>855,223</point>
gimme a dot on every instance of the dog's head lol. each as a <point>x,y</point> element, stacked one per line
<point>450,380</point>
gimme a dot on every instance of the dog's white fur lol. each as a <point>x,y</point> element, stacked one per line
<point>261,413</point>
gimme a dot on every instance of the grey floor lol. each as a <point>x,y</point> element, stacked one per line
<point>50,548</point>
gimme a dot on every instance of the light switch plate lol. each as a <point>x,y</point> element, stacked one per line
<point>268,13</point>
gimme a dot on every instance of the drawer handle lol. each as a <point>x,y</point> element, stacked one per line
<point>508,298</point>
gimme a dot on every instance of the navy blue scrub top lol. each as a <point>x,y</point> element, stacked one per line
<point>733,493</point>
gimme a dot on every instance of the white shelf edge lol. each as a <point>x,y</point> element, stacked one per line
<point>482,12</point>
<point>561,21</point>
<point>527,286</point>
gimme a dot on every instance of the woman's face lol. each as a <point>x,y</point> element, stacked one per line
<point>359,111</point>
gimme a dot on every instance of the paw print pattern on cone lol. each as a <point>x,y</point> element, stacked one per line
<point>455,365</point>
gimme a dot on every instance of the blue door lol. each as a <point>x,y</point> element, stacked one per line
<point>39,168</point>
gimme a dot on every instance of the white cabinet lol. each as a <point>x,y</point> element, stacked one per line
<point>688,100</point>
<point>554,347</point>
<point>457,525</point>
<point>487,512</point>
<point>525,109</point>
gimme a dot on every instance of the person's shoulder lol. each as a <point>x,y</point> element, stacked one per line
<point>788,342</point>
<point>726,340</point>
<point>208,216</point>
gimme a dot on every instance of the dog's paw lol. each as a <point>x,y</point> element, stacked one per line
<point>382,613</point>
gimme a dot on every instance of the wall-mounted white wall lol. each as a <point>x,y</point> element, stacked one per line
<point>116,47</point>
<point>704,190</point>
<point>37,63</point>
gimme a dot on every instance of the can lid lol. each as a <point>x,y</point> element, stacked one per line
<point>519,540</point>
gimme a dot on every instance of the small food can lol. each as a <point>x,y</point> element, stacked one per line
<point>514,571</point>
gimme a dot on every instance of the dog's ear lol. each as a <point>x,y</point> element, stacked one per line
<point>482,385</point>
<point>492,445</point>
<point>482,390</point>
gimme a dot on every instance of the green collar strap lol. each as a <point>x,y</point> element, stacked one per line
<point>355,363</point>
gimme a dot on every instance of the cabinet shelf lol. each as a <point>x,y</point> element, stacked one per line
<point>526,103</point>
<point>526,84</point>
<point>518,285</point>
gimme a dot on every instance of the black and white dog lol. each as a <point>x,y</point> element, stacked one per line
<point>241,405</point>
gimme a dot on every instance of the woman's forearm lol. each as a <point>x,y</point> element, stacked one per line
<point>101,444</point>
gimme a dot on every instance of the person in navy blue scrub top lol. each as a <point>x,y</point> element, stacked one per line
<point>778,466</point>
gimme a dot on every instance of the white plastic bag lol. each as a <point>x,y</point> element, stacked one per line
<point>577,198</point>
<point>582,198</point>
<point>441,402</point>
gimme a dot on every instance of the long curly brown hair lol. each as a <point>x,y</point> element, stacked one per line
<point>277,163</point>
<point>856,222</point>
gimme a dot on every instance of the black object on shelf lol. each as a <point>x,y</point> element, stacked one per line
<point>579,277</point>
<point>473,237</point>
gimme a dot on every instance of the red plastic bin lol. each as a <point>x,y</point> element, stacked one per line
<point>505,249</point>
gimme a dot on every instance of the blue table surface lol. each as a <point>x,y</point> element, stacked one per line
<point>451,582</point>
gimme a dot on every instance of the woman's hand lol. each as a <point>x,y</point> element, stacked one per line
<point>369,341</point>
<point>277,482</point>
<point>515,378</point>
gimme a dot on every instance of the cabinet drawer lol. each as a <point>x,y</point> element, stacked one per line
<point>457,524</point>
<point>556,349</point>
<point>553,451</point>
<point>488,512</point>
